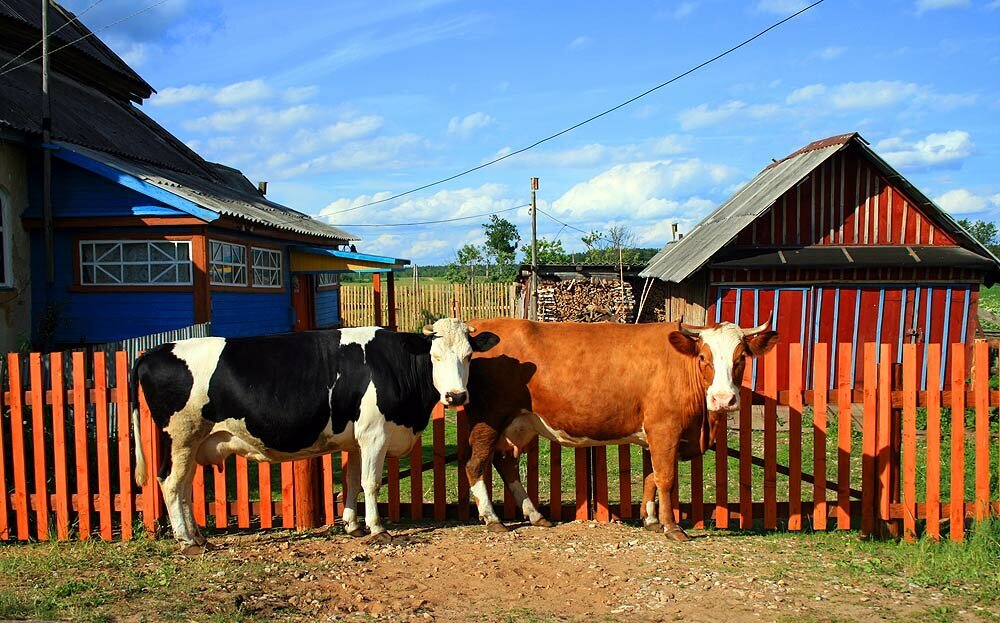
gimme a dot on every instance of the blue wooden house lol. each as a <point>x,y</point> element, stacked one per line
<point>147,236</point>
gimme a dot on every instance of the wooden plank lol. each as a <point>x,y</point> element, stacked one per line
<point>746,451</point>
<point>242,492</point>
<point>844,428</point>
<point>868,441</point>
<point>795,436</point>
<point>4,490</point>
<point>909,500</point>
<point>198,493</point>
<point>393,464</point>
<point>18,455</point>
<point>147,429</point>
<point>462,425</point>
<point>821,383</point>
<point>600,457</point>
<point>126,502</point>
<point>555,481</point>
<point>957,514</point>
<point>697,492</point>
<point>625,481</point>
<point>582,490</point>
<point>883,434</point>
<point>329,495</point>
<point>417,482</point>
<point>288,494</point>
<point>982,388</point>
<point>440,491</point>
<point>103,451</point>
<point>722,473</point>
<point>266,495</point>
<point>38,427</point>
<point>933,523</point>
<point>771,440</point>
<point>59,451</point>
<point>220,507</point>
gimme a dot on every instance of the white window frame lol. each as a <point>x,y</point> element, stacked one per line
<point>6,242</point>
<point>149,263</point>
<point>270,271</point>
<point>236,265</point>
<point>334,284</point>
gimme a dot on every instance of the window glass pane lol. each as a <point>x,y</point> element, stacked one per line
<point>135,273</point>
<point>184,273</point>
<point>136,251</point>
<point>108,252</point>
<point>134,262</point>
<point>182,250</point>
<point>87,252</point>
<point>163,273</point>
<point>87,275</point>
<point>108,274</point>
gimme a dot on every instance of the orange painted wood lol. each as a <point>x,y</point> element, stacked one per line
<point>329,496</point>
<point>957,514</point>
<point>18,455</point>
<point>697,492</point>
<point>868,441</point>
<point>4,497</point>
<point>147,429</point>
<point>38,427</point>
<point>59,452</point>
<point>242,492</point>
<point>603,511</point>
<point>795,436</point>
<point>462,424</point>
<point>625,481</point>
<point>746,453</point>
<point>821,384</point>
<point>933,512</point>
<point>417,481</point>
<point>555,481</point>
<point>771,440</point>
<point>582,490</point>
<point>440,492</point>
<point>982,387</point>
<point>198,493</point>
<point>845,426</point>
<point>220,507</point>
<point>306,494</point>
<point>909,472</point>
<point>266,495</point>
<point>883,433</point>
<point>288,495</point>
<point>721,474</point>
<point>104,499</point>
<point>393,488</point>
<point>126,502</point>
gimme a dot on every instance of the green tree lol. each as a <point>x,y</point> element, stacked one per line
<point>549,252</point>
<point>500,249</point>
<point>604,247</point>
<point>984,231</point>
<point>463,269</point>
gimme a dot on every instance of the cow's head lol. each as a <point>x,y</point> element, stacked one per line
<point>721,353</point>
<point>451,351</point>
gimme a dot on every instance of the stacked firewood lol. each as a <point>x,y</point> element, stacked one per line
<point>585,300</point>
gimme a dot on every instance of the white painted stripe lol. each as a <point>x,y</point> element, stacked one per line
<point>857,202</point>
<point>813,225</point>
<point>798,214</point>
<point>833,200</point>
<point>920,225</point>
<point>878,211</point>
<point>843,165</point>
<point>868,193</point>
<point>902,228</point>
<point>888,232</point>
<point>822,201</point>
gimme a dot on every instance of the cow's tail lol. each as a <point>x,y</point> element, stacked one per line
<point>140,458</point>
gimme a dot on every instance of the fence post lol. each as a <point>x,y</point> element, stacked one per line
<point>307,494</point>
<point>377,298</point>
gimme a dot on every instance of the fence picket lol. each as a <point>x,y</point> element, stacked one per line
<point>582,491</point>
<point>909,442</point>
<point>437,433</point>
<point>329,496</point>
<point>481,300</point>
<point>242,492</point>
<point>62,506</point>
<point>265,494</point>
<point>4,495</point>
<point>771,440</point>
<point>198,493</point>
<point>462,424</point>
<point>868,442</point>
<point>845,426</point>
<point>220,507</point>
<point>957,497</point>
<point>125,500</point>
<point>821,385</point>
<point>602,512</point>
<point>17,446</point>
<point>933,512</point>
<point>147,428</point>
<point>883,434</point>
<point>288,493</point>
<point>104,500</point>
<point>746,452</point>
<point>982,387</point>
<point>37,404</point>
<point>417,481</point>
<point>795,437</point>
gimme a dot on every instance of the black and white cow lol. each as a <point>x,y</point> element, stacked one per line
<point>275,398</point>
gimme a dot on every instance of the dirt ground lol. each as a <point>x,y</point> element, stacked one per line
<point>578,571</point>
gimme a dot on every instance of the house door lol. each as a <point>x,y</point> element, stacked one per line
<point>303,302</point>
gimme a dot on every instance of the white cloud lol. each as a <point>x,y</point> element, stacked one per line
<point>705,115</point>
<point>229,95</point>
<point>465,126</point>
<point>850,96</point>
<point>805,93</point>
<point>684,9</point>
<point>933,5</point>
<point>380,152</point>
<point>579,43</point>
<point>993,5</point>
<point>181,95</point>
<point>596,154</point>
<point>296,95</point>
<point>242,93</point>
<point>937,150</point>
<point>961,201</point>
<point>830,53</point>
<point>781,7</point>
<point>239,118</point>
<point>444,204</point>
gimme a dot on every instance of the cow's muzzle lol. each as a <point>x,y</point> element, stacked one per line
<point>722,401</point>
<point>456,399</point>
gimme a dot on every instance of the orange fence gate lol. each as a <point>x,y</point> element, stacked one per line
<point>879,456</point>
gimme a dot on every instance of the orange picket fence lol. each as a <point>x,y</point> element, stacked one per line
<point>881,456</point>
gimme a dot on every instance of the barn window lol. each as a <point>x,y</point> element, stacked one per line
<point>327,280</point>
<point>228,263</point>
<point>135,263</point>
<point>6,279</point>
<point>266,268</point>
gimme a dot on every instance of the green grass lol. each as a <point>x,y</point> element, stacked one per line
<point>989,299</point>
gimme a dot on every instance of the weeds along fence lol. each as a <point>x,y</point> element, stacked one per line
<point>417,305</point>
<point>879,456</point>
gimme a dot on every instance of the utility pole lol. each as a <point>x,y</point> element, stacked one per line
<point>50,269</point>
<point>533,306</point>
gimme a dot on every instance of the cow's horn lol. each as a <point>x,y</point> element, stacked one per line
<point>428,329</point>
<point>756,330</point>
<point>691,330</point>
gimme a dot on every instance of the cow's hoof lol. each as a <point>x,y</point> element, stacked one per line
<point>676,534</point>
<point>542,522</point>
<point>192,550</point>
<point>380,538</point>
<point>497,527</point>
<point>357,532</point>
<point>653,527</point>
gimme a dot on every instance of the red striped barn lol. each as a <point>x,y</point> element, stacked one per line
<point>840,248</point>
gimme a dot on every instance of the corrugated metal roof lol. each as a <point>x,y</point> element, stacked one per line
<point>678,260</point>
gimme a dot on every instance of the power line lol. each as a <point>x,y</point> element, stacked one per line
<point>593,118</point>
<point>565,224</point>
<point>92,33</point>
<point>39,42</point>
<point>447,220</point>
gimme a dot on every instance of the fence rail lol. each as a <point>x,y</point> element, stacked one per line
<point>416,305</point>
<point>879,457</point>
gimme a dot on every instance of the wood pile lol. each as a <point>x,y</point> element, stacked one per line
<point>585,300</point>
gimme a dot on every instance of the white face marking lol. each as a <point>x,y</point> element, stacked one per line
<point>723,340</point>
<point>450,356</point>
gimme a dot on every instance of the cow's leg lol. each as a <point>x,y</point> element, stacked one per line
<point>187,505</point>
<point>175,482</point>
<point>482,439</point>
<point>663,444</point>
<point>353,489</point>
<point>372,462</point>
<point>506,465</point>
<point>647,512</point>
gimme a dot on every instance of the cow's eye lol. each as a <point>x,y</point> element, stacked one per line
<point>702,357</point>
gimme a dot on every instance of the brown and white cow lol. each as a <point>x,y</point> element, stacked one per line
<point>600,384</point>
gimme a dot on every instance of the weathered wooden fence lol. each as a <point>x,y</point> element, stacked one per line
<point>909,466</point>
<point>417,305</point>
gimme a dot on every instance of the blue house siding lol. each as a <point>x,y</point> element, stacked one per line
<point>327,307</point>
<point>236,314</point>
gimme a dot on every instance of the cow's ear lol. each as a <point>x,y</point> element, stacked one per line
<point>415,344</point>
<point>761,343</point>
<point>484,341</point>
<point>684,344</point>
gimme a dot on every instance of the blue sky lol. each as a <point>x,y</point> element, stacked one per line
<point>336,103</point>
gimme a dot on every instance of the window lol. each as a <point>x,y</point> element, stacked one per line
<point>135,263</point>
<point>6,279</point>
<point>327,280</point>
<point>266,268</point>
<point>228,263</point>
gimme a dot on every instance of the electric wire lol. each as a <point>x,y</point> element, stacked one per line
<point>51,34</point>
<point>446,220</point>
